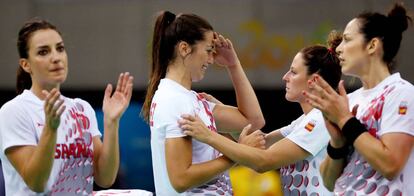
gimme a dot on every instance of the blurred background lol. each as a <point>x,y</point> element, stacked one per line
<point>106,37</point>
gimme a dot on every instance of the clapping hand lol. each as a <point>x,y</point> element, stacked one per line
<point>53,108</point>
<point>115,103</point>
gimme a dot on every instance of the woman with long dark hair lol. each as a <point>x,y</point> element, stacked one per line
<point>183,47</point>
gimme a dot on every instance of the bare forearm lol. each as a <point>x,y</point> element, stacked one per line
<point>331,170</point>
<point>273,137</point>
<point>201,173</point>
<point>242,154</point>
<point>108,163</point>
<point>36,171</point>
<point>247,102</point>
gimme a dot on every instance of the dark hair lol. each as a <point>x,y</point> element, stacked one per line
<point>388,28</point>
<point>168,31</point>
<point>24,81</point>
<point>323,60</point>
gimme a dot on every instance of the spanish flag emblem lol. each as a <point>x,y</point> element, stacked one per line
<point>402,109</point>
<point>309,127</point>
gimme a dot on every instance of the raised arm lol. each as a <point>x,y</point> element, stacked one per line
<point>106,154</point>
<point>34,163</point>
<point>248,110</point>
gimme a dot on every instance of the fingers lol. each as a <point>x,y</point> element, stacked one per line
<point>124,85</point>
<point>187,122</point>
<point>341,88</point>
<point>205,95</point>
<point>126,82</point>
<point>189,133</point>
<point>119,83</point>
<point>221,42</point>
<point>193,126</point>
<point>260,136</point>
<point>108,91</point>
<point>246,130</point>
<point>50,100</point>
<point>316,88</point>
<point>58,108</point>
<point>61,109</point>
<point>229,43</point>
<point>314,100</point>
<point>188,117</point>
<point>355,110</point>
<point>53,104</point>
<point>322,83</point>
<point>128,88</point>
<point>215,35</point>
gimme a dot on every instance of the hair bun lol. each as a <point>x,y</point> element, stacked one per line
<point>398,19</point>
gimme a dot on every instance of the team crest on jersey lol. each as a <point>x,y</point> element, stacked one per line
<point>311,124</point>
<point>402,109</point>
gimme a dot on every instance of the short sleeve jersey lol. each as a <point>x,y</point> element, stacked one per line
<point>386,108</point>
<point>170,101</point>
<point>303,177</point>
<point>21,124</point>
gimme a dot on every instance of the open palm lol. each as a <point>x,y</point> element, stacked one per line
<point>115,105</point>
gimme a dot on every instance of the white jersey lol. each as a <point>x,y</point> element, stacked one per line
<point>21,124</point>
<point>170,101</point>
<point>387,108</point>
<point>303,177</point>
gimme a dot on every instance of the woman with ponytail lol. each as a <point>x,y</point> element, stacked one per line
<point>50,144</point>
<point>299,148</point>
<point>183,47</point>
<point>377,120</point>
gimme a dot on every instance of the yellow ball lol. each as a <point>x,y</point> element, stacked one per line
<point>246,181</point>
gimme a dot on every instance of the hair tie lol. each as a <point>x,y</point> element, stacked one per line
<point>331,50</point>
<point>170,17</point>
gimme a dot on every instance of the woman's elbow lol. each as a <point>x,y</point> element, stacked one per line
<point>261,122</point>
<point>179,185</point>
<point>391,173</point>
<point>261,167</point>
<point>36,187</point>
<point>106,183</point>
<point>329,185</point>
<point>258,123</point>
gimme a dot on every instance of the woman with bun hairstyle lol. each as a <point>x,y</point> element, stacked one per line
<point>377,120</point>
<point>299,148</point>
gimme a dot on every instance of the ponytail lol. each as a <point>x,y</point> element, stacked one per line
<point>169,30</point>
<point>24,81</point>
<point>160,51</point>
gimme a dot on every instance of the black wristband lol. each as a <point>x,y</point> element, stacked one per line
<point>337,153</point>
<point>352,129</point>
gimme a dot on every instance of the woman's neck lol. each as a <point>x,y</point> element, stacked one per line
<point>374,74</point>
<point>179,74</point>
<point>306,107</point>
